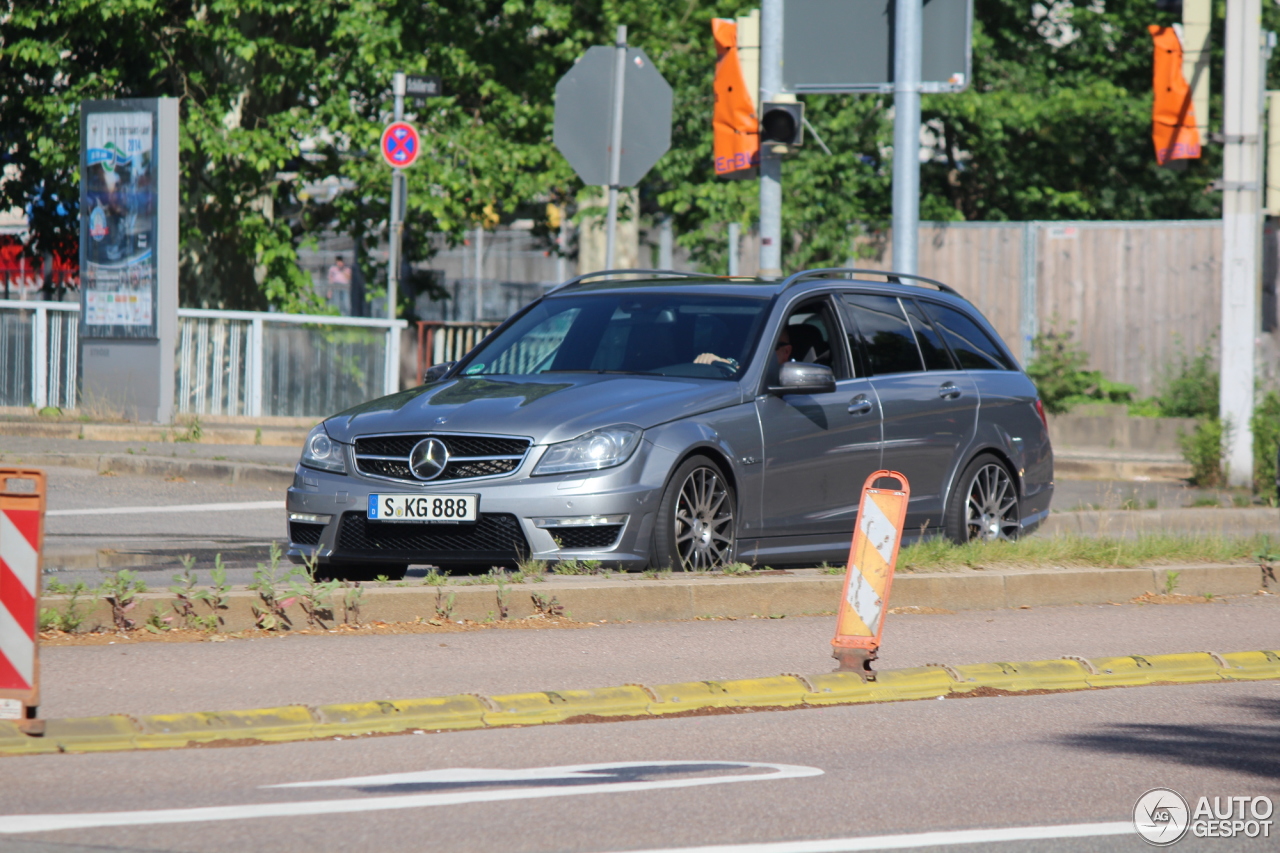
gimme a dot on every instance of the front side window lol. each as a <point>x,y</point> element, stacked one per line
<point>973,347</point>
<point>663,334</point>
<point>886,335</point>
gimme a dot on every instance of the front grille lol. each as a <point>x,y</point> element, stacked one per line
<point>597,538</point>
<point>494,536</point>
<point>305,534</point>
<point>470,456</point>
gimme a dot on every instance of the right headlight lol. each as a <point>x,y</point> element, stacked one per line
<point>323,452</point>
<point>591,451</point>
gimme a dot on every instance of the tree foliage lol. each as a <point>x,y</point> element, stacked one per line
<point>279,96</point>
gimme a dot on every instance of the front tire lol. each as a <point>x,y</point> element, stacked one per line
<point>985,505</point>
<point>696,522</point>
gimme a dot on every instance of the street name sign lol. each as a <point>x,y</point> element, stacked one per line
<point>420,87</point>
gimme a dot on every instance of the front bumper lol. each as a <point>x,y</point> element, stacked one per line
<point>604,515</point>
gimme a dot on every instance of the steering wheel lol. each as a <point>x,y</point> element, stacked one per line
<point>727,368</point>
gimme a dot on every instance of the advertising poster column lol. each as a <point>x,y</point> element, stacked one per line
<point>129,256</point>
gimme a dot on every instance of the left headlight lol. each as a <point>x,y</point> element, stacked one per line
<point>591,451</point>
<point>322,452</point>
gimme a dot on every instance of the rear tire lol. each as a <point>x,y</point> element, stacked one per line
<point>985,504</point>
<point>697,521</point>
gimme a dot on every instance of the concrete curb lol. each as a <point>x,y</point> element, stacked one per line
<point>246,473</point>
<point>300,722</point>
<point>270,436</point>
<point>1090,463</point>
<point>805,593</point>
<point>1235,522</point>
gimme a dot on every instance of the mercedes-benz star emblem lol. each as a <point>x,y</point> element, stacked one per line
<point>428,458</point>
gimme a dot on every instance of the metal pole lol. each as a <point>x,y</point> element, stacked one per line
<point>476,313</point>
<point>770,163</point>
<point>735,239</point>
<point>396,226</point>
<point>615,147</point>
<point>562,243</point>
<point>906,133</point>
<point>1241,230</point>
<point>666,245</point>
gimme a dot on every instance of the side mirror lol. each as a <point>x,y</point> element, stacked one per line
<point>798,377</point>
<point>436,371</point>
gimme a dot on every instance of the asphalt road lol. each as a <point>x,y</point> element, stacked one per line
<point>242,536</point>
<point>856,771</point>
<point>993,765</point>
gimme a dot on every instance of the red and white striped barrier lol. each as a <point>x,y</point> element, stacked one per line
<point>22,499</point>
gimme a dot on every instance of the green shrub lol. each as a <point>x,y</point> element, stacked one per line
<point>1190,387</point>
<point>1204,449</point>
<point>1061,380</point>
<point>1266,443</point>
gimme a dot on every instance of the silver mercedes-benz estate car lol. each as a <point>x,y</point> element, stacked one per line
<point>665,419</point>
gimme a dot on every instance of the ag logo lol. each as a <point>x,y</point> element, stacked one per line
<point>1161,816</point>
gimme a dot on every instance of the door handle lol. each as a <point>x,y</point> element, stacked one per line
<point>949,391</point>
<point>860,405</point>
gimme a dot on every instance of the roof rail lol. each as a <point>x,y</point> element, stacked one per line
<point>674,273</point>
<point>893,277</point>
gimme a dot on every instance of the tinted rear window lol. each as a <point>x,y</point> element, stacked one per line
<point>886,335</point>
<point>973,347</point>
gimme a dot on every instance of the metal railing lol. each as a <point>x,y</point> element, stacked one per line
<point>39,350</point>
<point>440,341</point>
<point>227,362</point>
<point>253,363</point>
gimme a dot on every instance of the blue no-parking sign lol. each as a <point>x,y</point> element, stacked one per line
<point>400,144</point>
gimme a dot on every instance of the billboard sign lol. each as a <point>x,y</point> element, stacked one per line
<point>118,223</point>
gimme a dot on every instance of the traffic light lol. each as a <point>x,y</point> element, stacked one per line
<point>782,122</point>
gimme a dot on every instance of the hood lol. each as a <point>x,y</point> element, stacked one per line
<point>546,408</point>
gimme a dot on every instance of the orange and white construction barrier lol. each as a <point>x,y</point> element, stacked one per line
<point>22,494</point>
<point>867,581</point>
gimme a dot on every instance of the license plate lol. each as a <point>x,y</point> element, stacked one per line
<point>419,508</point>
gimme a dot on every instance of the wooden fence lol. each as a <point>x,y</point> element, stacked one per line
<point>1136,295</point>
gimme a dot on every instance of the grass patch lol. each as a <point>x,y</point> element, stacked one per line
<point>1152,549</point>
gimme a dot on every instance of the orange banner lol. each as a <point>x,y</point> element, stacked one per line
<point>736,129</point>
<point>1173,118</point>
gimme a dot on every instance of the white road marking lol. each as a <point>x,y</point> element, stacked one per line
<point>44,823</point>
<point>149,510</point>
<point>921,839</point>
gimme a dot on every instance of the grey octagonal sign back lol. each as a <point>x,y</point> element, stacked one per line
<point>584,111</point>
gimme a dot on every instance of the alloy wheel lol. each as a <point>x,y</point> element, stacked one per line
<point>991,507</point>
<point>703,521</point>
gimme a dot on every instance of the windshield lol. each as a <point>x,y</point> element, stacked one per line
<point>661,334</point>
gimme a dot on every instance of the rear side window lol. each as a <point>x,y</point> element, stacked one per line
<point>932,348</point>
<point>973,347</point>
<point>886,335</point>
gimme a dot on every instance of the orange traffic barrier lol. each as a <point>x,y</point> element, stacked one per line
<point>22,494</point>
<point>869,576</point>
